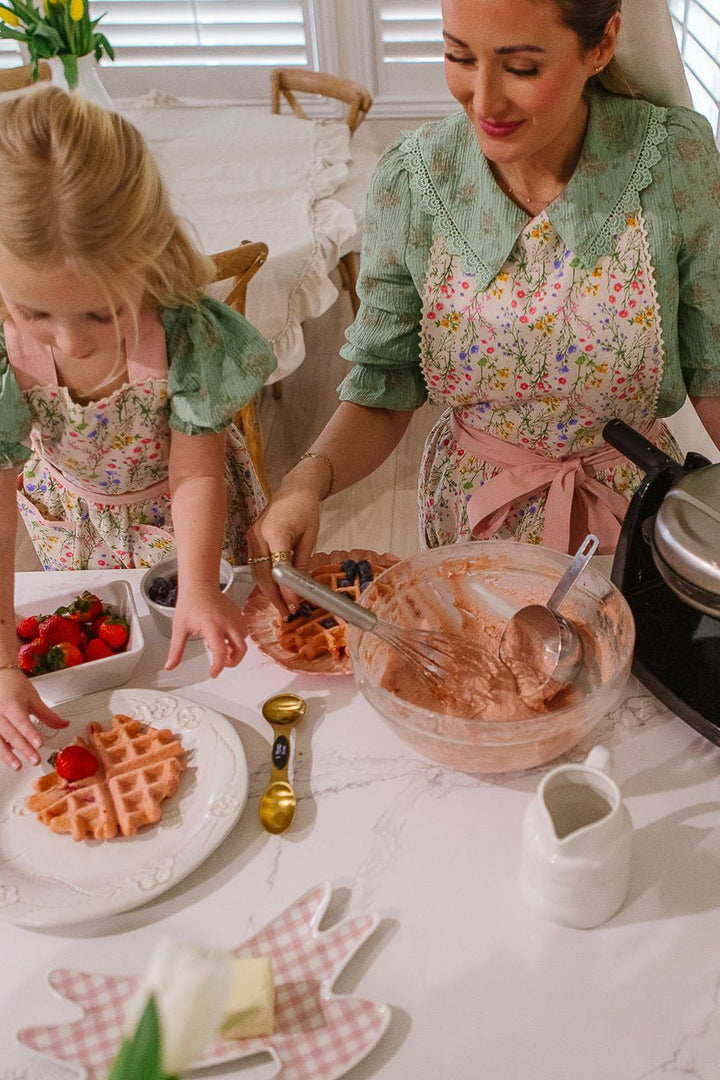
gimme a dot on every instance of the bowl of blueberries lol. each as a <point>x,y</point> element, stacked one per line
<point>159,589</point>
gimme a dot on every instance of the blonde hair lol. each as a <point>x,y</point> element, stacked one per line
<point>79,186</point>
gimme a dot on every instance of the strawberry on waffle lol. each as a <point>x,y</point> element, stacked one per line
<point>312,631</point>
<point>139,767</point>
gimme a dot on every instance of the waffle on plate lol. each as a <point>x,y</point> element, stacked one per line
<point>139,768</point>
<point>312,640</point>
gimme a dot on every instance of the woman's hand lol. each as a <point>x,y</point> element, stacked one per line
<point>19,700</point>
<point>290,522</point>
<point>206,611</point>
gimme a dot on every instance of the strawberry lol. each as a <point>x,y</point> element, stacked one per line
<point>84,608</point>
<point>56,629</point>
<point>63,655</point>
<point>76,763</point>
<point>32,658</point>
<point>114,631</point>
<point>97,649</point>
<point>27,628</point>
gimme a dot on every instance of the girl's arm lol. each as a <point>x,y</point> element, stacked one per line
<point>356,440</point>
<point>18,698</point>
<point>708,409</point>
<point>199,501</point>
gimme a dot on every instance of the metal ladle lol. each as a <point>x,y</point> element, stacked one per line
<point>276,809</point>
<point>541,646</point>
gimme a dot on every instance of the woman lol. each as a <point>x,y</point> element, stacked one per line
<point>556,245</point>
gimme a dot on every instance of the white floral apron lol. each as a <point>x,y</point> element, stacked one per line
<point>532,369</point>
<point>95,492</point>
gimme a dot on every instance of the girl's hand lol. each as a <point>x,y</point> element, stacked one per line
<point>19,700</point>
<point>217,618</point>
<point>290,522</point>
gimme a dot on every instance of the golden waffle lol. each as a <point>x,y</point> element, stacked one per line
<point>140,767</point>
<point>305,634</point>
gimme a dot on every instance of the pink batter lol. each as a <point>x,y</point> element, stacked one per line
<point>495,693</point>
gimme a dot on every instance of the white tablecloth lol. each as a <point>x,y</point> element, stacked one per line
<point>237,174</point>
<point>479,987</point>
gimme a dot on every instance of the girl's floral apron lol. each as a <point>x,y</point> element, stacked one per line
<point>532,370</point>
<point>95,491</point>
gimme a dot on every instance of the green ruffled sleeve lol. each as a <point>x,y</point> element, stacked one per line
<point>695,169</point>
<point>15,418</point>
<point>217,362</point>
<point>383,343</point>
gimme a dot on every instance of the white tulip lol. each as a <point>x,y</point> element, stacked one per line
<point>191,986</point>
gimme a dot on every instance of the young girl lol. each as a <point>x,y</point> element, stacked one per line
<point>118,382</point>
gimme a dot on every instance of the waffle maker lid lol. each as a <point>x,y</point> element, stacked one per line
<point>686,538</point>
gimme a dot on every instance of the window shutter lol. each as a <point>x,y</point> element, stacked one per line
<point>190,33</point>
<point>409,50</point>
<point>697,25</point>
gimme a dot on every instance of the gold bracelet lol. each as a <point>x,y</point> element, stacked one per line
<point>10,667</point>
<point>331,467</point>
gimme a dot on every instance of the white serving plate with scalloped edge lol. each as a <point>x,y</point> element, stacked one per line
<point>49,880</point>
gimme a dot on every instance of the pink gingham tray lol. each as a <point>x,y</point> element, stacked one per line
<point>318,1035</point>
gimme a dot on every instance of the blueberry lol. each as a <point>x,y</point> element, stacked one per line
<point>329,622</point>
<point>306,609</point>
<point>364,570</point>
<point>349,569</point>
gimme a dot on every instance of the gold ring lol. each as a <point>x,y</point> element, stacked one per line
<point>258,558</point>
<point>281,556</point>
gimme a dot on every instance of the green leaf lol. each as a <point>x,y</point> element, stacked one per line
<point>139,1057</point>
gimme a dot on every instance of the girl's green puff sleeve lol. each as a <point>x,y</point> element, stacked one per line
<point>217,362</point>
<point>15,419</point>
<point>383,343</point>
<point>695,177</point>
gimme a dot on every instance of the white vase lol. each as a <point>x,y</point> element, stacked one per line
<point>89,83</point>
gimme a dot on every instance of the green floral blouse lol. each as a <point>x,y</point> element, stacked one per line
<point>216,362</point>
<point>436,181</point>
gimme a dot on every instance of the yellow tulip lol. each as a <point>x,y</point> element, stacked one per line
<point>77,10</point>
<point>8,17</point>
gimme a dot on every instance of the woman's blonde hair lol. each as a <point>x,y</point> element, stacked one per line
<point>79,186</point>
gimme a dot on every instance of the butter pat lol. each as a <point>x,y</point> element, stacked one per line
<point>251,1002</point>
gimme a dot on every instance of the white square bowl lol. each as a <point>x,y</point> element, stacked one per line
<point>94,675</point>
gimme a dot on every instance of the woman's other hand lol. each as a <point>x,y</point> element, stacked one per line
<point>19,738</point>
<point>289,523</point>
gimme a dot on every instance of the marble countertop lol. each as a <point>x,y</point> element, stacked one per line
<point>477,985</point>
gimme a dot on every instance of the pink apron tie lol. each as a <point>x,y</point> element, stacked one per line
<point>576,502</point>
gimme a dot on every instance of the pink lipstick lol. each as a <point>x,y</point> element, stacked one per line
<point>497,130</point>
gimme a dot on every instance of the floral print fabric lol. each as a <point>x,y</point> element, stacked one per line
<point>543,358</point>
<point>94,493</point>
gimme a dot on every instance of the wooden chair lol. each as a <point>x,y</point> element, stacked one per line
<point>18,78</point>
<point>241,264</point>
<point>284,84</point>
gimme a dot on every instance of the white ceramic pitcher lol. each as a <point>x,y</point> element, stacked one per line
<point>576,844</point>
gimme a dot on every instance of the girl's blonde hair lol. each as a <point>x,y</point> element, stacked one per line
<point>79,186</point>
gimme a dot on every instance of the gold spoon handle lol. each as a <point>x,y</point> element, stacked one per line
<point>283,754</point>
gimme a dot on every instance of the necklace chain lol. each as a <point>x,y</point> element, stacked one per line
<point>529,198</point>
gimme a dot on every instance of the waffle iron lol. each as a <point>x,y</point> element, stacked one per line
<point>667,565</point>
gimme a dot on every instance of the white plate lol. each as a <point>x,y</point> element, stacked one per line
<point>51,880</point>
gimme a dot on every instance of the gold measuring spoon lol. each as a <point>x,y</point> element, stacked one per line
<point>277,805</point>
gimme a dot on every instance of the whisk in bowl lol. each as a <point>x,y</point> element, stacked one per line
<point>436,655</point>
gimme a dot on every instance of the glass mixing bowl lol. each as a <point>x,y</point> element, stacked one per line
<point>490,580</point>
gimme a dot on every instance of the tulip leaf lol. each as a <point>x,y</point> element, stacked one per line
<point>139,1057</point>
